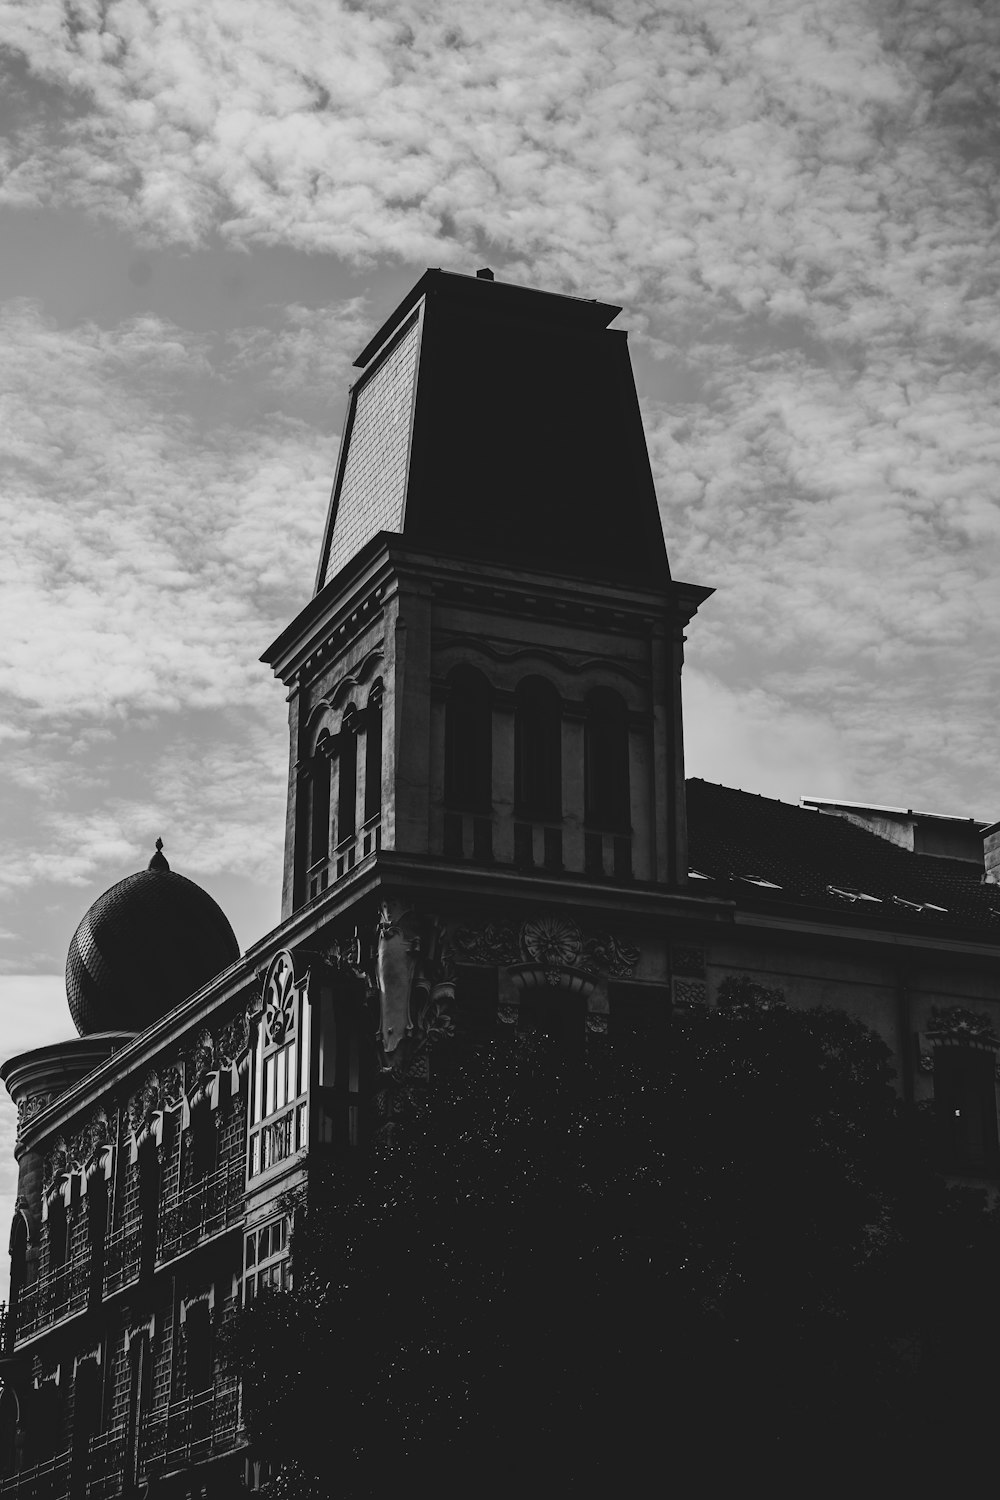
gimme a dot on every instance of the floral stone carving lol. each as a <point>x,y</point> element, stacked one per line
<point>553,942</point>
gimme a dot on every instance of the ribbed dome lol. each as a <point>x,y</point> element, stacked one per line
<point>142,948</point>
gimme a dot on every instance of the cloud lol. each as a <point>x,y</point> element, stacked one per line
<point>706,160</point>
<point>142,553</point>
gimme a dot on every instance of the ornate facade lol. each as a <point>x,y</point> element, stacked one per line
<point>486,825</point>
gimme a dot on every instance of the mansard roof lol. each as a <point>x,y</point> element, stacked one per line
<point>772,853</point>
<point>498,421</point>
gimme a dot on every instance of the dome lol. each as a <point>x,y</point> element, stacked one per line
<point>142,948</point>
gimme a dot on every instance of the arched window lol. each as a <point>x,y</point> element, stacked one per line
<point>468,742</point>
<point>18,1275</point>
<point>348,788</point>
<point>319,831</point>
<point>538,751</point>
<point>606,762</point>
<point>373,754</point>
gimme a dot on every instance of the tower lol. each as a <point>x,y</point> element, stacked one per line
<point>485,688</point>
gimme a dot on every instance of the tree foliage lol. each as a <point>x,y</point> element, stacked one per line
<point>572,1271</point>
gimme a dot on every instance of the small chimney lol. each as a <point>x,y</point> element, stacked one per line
<point>991,853</point>
<point>485,274</point>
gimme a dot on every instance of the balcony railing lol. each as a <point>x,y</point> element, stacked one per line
<point>186,1432</point>
<point>192,1429</point>
<point>48,1480</point>
<point>122,1253</point>
<point>53,1296</point>
<point>206,1208</point>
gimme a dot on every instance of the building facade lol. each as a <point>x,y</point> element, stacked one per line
<point>487,826</point>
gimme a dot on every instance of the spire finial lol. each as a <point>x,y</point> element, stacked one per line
<point>159,860</point>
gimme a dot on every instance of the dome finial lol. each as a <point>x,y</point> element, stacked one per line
<point>159,860</point>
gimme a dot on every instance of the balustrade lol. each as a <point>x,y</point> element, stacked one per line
<point>206,1208</point>
<point>51,1297</point>
<point>48,1480</point>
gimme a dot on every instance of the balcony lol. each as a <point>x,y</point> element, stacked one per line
<point>48,1480</point>
<point>52,1297</point>
<point>122,1254</point>
<point>193,1429</point>
<point>207,1208</point>
<point>188,1432</point>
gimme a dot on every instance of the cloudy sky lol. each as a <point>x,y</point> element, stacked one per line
<point>207,205</point>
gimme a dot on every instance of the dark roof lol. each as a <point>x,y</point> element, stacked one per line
<point>499,423</point>
<point>142,948</point>
<point>824,862</point>
<point>508,296</point>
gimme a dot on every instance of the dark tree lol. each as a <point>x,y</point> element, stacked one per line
<point>569,1274</point>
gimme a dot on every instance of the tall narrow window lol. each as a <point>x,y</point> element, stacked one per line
<point>18,1275</point>
<point>966,1105</point>
<point>319,835</point>
<point>538,751</point>
<point>149,1208</point>
<point>347,800</point>
<point>198,1367</point>
<point>606,762</point>
<point>204,1141</point>
<point>468,742</point>
<point>373,755</point>
<point>140,1361</point>
<point>87,1402</point>
<point>97,1225</point>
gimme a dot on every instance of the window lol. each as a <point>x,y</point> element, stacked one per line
<point>58,1234</point>
<point>140,1369</point>
<point>606,763</point>
<point>279,1083</point>
<point>97,1225</point>
<point>468,742</point>
<point>373,754</point>
<point>538,751</point>
<point>199,1370</point>
<point>204,1141</point>
<point>966,1107</point>
<point>348,786</point>
<point>265,1260</point>
<point>149,1207</point>
<point>18,1274</point>
<point>87,1403</point>
<point>319,831</point>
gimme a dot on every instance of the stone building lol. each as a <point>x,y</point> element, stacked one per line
<point>487,825</point>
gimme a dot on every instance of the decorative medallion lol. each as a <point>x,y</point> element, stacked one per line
<point>552,941</point>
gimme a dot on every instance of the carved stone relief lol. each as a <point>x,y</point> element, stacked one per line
<point>554,942</point>
<point>28,1108</point>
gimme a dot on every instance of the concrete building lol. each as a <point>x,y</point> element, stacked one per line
<point>486,824</point>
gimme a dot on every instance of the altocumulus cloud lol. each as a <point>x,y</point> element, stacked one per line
<point>796,199</point>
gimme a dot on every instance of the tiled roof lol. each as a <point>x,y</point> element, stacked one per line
<point>826,862</point>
